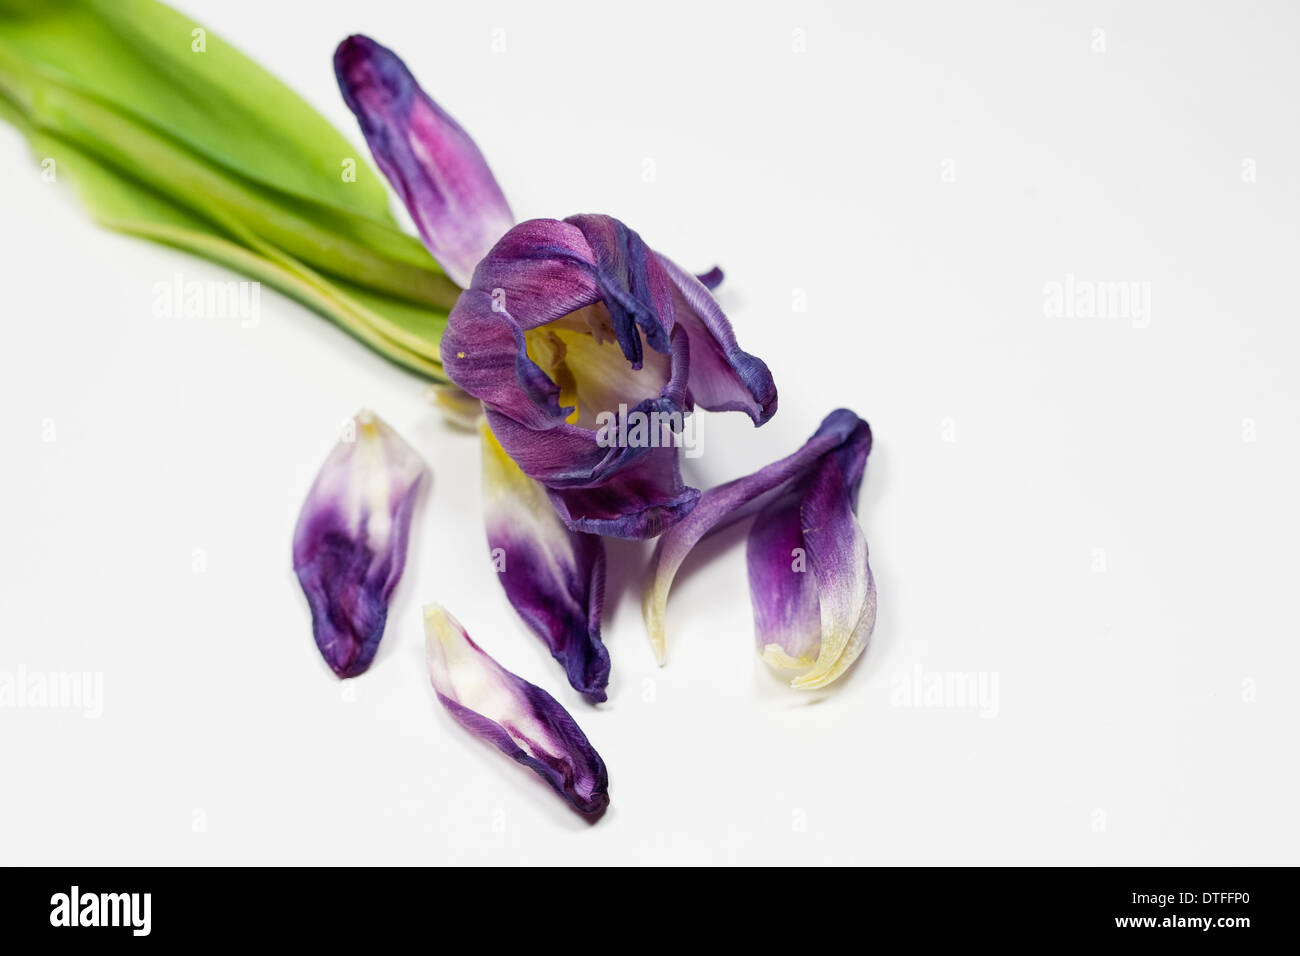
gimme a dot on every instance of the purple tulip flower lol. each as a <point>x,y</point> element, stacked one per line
<point>570,326</point>
<point>562,323</point>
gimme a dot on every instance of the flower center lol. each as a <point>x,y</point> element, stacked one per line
<point>580,354</point>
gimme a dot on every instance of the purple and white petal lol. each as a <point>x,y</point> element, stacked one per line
<point>811,585</point>
<point>554,577</point>
<point>833,554</point>
<point>521,720</point>
<point>349,547</point>
<point>438,172</point>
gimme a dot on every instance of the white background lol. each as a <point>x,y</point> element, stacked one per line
<point>1070,507</point>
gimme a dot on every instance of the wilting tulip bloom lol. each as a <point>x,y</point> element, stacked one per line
<point>521,720</point>
<point>554,577</point>
<point>571,325</point>
<point>350,544</point>
<point>564,325</point>
<point>811,586</point>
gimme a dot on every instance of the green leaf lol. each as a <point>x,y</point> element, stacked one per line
<point>118,203</point>
<point>139,56</point>
<point>203,150</point>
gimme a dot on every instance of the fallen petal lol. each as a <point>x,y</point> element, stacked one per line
<point>829,559</point>
<point>810,582</point>
<point>554,577</point>
<point>349,547</point>
<point>521,720</point>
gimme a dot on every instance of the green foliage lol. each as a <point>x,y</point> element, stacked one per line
<point>173,135</point>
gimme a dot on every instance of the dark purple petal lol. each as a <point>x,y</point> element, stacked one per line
<point>433,164</point>
<point>633,286</point>
<point>349,547</point>
<point>723,377</point>
<point>554,577</point>
<point>637,502</point>
<point>485,353</point>
<point>518,718</point>
<point>784,597</point>
<point>540,270</point>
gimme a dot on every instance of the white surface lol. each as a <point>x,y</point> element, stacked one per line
<point>1146,713</point>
